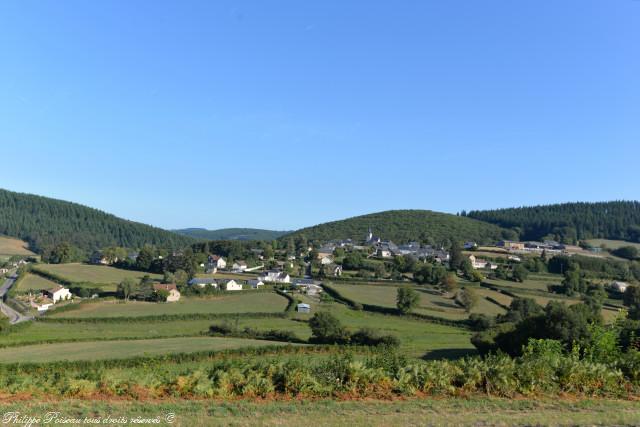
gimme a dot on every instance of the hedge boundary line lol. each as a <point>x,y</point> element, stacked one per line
<point>162,317</point>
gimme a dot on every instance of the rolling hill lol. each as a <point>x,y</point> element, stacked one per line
<point>569,222</point>
<point>404,225</point>
<point>231,233</point>
<point>44,222</point>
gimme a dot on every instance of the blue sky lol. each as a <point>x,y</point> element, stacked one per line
<point>282,114</point>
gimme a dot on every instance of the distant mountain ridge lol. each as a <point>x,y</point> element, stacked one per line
<point>232,233</point>
<point>44,222</point>
<point>404,225</point>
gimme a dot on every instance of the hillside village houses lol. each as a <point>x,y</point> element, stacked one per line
<point>174,293</point>
<point>49,297</point>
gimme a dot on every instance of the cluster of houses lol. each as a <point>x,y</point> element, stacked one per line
<point>548,246</point>
<point>12,265</point>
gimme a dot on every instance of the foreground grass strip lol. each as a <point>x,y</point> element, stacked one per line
<point>413,412</point>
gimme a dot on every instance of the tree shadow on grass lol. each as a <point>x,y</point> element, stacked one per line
<point>449,353</point>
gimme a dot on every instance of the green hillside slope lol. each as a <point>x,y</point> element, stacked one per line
<point>405,225</point>
<point>231,233</point>
<point>43,222</point>
<point>568,222</point>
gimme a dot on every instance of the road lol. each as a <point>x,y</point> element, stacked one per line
<point>13,315</point>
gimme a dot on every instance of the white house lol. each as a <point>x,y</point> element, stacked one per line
<point>478,263</point>
<point>217,262</point>
<point>231,285</point>
<point>619,286</point>
<point>384,253</point>
<point>203,282</point>
<point>59,293</point>
<point>239,266</point>
<point>326,260</point>
<point>275,276</point>
<point>255,283</point>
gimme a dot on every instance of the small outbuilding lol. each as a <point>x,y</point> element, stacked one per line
<point>304,308</point>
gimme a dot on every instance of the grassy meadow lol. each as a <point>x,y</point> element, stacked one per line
<point>240,302</point>
<point>98,274</point>
<point>33,282</point>
<point>10,246</point>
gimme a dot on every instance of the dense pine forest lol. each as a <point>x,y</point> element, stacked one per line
<point>405,225</point>
<point>569,222</point>
<point>45,222</point>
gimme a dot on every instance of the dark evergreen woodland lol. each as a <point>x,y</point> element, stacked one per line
<point>569,222</point>
<point>45,222</point>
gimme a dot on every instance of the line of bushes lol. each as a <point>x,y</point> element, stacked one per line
<point>543,370</point>
<point>391,311</point>
<point>293,302</point>
<point>225,329</point>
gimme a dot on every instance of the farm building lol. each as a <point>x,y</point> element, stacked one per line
<point>304,308</point>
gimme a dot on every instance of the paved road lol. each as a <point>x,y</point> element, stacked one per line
<point>13,315</point>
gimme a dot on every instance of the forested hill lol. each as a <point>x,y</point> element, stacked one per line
<point>405,225</point>
<point>569,222</point>
<point>232,233</point>
<point>44,222</point>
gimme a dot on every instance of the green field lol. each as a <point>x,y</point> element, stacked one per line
<point>33,282</point>
<point>432,303</point>
<point>11,246</point>
<point>468,411</point>
<point>99,274</point>
<point>241,302</point>
<point>611,244</point>
<point>95,350</point>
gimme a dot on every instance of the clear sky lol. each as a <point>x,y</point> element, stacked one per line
<point>282,114</point>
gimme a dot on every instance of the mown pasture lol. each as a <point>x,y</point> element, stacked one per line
<point>239,302</point>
